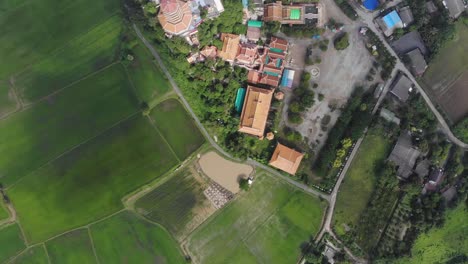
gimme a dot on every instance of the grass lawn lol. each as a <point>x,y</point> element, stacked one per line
<point>173,203</point>
<point>89,182</point>
<point>81,56</point>
<point>73,247</point>
<point>34,29</point>
<point>11,241</point>
<point>265,225</point>
<point>178,127</point>
<point>360,180</point>
<point>34,255</point>
<point>39,134</point>
<point>7,101</point>
<point>440,245</point>
<point>125,238</point>
<point>450,62</point>
<point>149,80</point>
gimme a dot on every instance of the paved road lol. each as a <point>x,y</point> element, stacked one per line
<point>368,18</point>
<point>205,132</point>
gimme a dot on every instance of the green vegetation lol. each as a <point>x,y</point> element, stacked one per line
<point>303,99</point>
<point>172,203</point>
<point>461,130</point>
<point>360,180</point>
<point>38,28</point>
<point>300,31</point>
<point>266,224</point>
<point>7,100</point>
<point>81,56</point>
<point>34,255</point>
<point>124,238</point>
<point>37,135</point>
<point>347,9</point>
<point>11,242</point>
<point>149,81</point>
<point>72,247</point>
<point>450,61</point>
<point>177,127</point>
<point>446,244</point>
<point>386,60</point>
<point>341,42</point>
<point>3,211</point>
<point>91,179</point>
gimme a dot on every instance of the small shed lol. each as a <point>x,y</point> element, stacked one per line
<point>240,99</point>
<point>287,78</point>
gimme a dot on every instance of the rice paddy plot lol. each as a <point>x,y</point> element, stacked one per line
<point>81,56</point>
<point>34,29</point>
<point>265,225</point>
<point>178,204</point>
<point>33,255</point>
<point>125,238</point>
<point>149,80</point>
<point>11,242</point>
<point>39,134</point>
<point>72,247</point>
<point>89,182</point>
<point>178,127</point>
<point>3,211</point>
<point>7,98</point>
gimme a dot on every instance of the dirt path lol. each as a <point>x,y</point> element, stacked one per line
<point>12,218</point>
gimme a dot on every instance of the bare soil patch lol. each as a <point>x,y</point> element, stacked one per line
<point>454,100</point>
<point>224,172</point>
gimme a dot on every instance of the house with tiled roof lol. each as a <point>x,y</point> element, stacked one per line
<point>175,16</point>
<point>292,13</point>
<point>209,52</point>
<point>247,54</point>
<point>255,110</point>
<point>273,62</point>
<point>278,44</point>
<point>286,159</point>
<point>256,77</point>
<point>230,47</point>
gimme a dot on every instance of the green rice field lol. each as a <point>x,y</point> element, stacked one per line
<point>172,204</point>
<point>359,181</point>
<point>125,238</point>
<point>31,31</point>
<point>81,56</point>
<point>447,244</point>
<point>33,255</point>
<point>39,134</point>
<point>72,247</point>
<point>265,225</point>
<point>7,101</point>
<point>11,242</point>
<point>149,81</point>
<point>178,127</point>
<point>3,211</point>
<point>91,179</point>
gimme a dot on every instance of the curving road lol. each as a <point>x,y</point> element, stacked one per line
<point>205,132</point>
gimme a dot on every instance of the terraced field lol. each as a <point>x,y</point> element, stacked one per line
<point>73,247</point>
<point>11,242</point>
<point>33,255</point>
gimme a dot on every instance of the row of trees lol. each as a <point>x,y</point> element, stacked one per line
<point>303,99</point>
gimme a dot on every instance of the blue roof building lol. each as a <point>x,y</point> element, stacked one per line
<point>371,4</point>
<point>392,20</point>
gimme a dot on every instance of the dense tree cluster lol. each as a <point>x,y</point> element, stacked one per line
<point>341,42</point>
<point>386,60</point>
<point>461,130</point>
<point>302,100</point>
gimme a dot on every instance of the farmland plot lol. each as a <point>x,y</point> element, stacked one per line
<point>178,204</point>
<point>3,211</point>
<point>79,57</point>
<point>267,224</point>
<point>72,247</point>
<point>34,255</point>
<point>178,127</point>
<point>88,182</point>
<point>7,99</point>
<point>11,242</point>
<point>40,27</point>
<point>39,134</point>
<point>124,238</point>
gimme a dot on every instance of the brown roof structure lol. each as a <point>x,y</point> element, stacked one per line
<point>278,43</point>
<point>273,62</point>
<point>255,111</point>
<point>247,53</point>
<point>175,16</point>
<point>288,14</point>
<point>230,46</point>
<point>270,136</point>
<point>253,33</point>
<point>256,77</point>
<point>209,52</point>
<point>286,159</point>
<point>279,96</point>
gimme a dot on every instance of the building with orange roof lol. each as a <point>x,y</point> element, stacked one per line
<point>247,54</point>
<point>255,111</point>
<point>256,77</point>
<point>279,44</point>
<point>175,16</point>
<point>230,47</point>
<point>209,52</point>
<point>285,14</point>
<point>273,62</point>
<point>286,159</point>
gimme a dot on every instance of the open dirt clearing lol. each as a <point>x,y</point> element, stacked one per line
<point>224,172</point>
